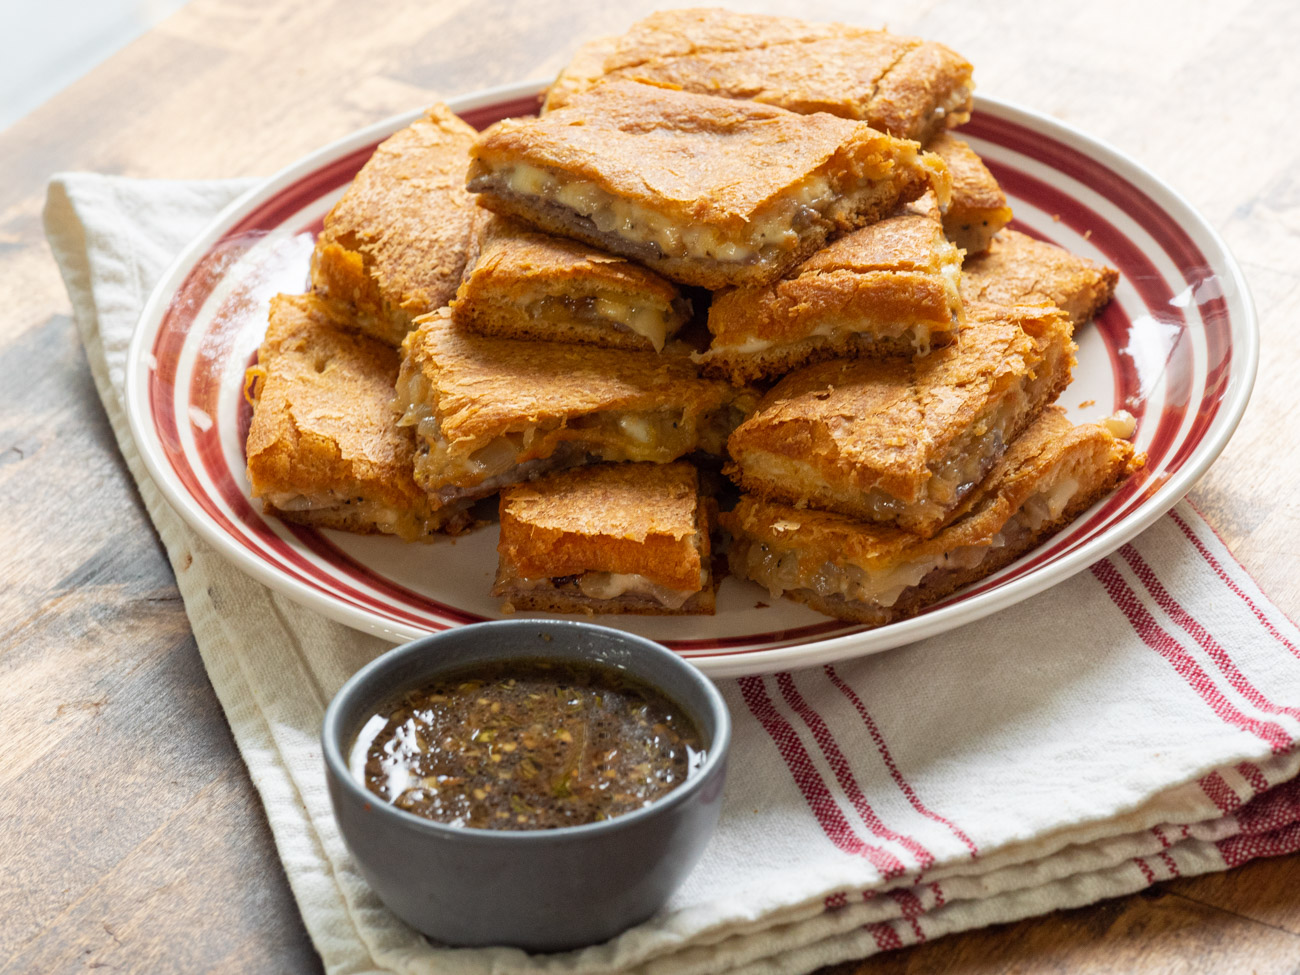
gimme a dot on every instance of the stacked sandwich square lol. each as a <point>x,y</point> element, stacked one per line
<point>877,377</point>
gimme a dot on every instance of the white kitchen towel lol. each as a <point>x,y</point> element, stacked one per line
<point>1136,723</point>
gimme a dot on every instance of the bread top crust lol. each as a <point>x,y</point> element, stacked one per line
<point>973,186</point>
<point>396,243</point>
<point>1051,447</point>
<point>892,82</point>
<point>632,518</point>
<point>324,419</point>
<point>516,262</point>
<point>485,386</point>
<point>1018,268</point>
<point>698,158</point>
<point>864,423</point>
<point>889,272</point>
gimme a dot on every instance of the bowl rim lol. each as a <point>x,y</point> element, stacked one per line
<point>336,755</point>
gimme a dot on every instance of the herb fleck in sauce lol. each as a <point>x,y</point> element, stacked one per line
<point>528,745</point>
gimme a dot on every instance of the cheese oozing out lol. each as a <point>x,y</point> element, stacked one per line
<point>648,319</point>
<point>659,436</point>
<point>881,586</point>
<point>768,234</point>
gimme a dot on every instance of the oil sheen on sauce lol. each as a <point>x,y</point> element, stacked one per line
<point>523,745</point>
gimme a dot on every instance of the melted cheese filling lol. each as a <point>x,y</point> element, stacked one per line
<point>659,436</point>
<point>766,236</point>
<point>883,585</point>
<point>612,585</point>
<point>650,321</point>
<point>920,336</point>
<point>385,518</point>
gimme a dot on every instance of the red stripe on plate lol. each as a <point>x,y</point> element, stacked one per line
<point>345,579</point>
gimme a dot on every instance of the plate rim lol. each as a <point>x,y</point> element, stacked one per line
<point>1238,388</point>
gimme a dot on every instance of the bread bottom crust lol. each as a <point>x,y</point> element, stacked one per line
<point>702,603</point>
<point>974,230</point>
<point>452,520</point>
<point>944,582</point>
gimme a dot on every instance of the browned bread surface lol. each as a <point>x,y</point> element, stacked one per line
<point>701,164</point>
<point>395,245</point>
<point>485,386</point>
<point>1050,451</point>
<point>1018,268</point>
<point>869,292</point>
<point>518,266</point>
<point>842,428</point>
<point>636,518</point>
<point>978,208</point>
<point>900,85</point>
<point>323,423</point>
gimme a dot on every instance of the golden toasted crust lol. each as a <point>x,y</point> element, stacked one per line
<point>1017,268</point>
<point>887,289</point>
<point>643,519</point>
<point>486,386</point>
<point>1049,453</point>
<point>900,85</point>
<point>517,267</point>
<point>829,433</point>
<point>978,208</point>
<point>323,424</point>
<point>694,161</point>
<point>394,247</point>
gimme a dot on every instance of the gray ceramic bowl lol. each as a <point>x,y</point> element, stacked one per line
<point>542,890</point>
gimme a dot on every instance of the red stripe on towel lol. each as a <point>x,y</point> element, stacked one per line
<point>1169,862</point>
<point>1231,583</point>
<point>1146,870</point>
<point>1273,810</point>
<point>1254,776</point>
<point>887,938</point>
<point>1174,610</point>
<point>888,759</point>
<point>1172,651</point>
<point>912,910</point>
<point>1236,850</point>
<point>1220,793</point>
<point>844,772</point>
<point>809,782</point>
<point>938,895</point>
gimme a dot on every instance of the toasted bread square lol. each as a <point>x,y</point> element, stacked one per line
<point>900,85</point>
<point>1018,268</point>
<point>394,246</point>
<point>875,574</point>
<point>493,411</point>
<point>905,441</point>
<point>886,290</point>
<point>978,208</point>
<point>704,190</point>
<point>529,285</point>
<point>324,447</point>
<point>609,538</point>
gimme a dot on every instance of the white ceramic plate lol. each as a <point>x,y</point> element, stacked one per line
<point>1177,348</point>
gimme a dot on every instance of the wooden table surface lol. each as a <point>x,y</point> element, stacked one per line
<point>131,836</point>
